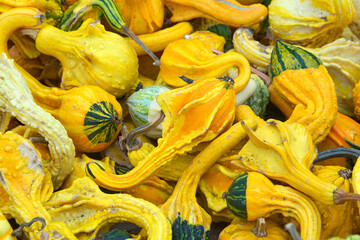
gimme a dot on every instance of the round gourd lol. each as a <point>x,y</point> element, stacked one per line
<point>91,117</point>
<point>143,107</point>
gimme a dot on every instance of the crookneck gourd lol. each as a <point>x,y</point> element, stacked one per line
<point>187,217</point>
<point>85,209</point>
<point>195,60</point>
<point>195,113</point>
<point>157,41</point>
<point>229,12</point>
<point>341,59</point>
<point>103,111</point>
<point>285,152</point>
<point>336,220</point>
<point>84,9</point>
<point>52,8</point>
<point>240,229</point>
<point>23,182</point>
<point>153,190</point>
<point>252,195</point>
<point>91,56</point>
<point>310,22</point>
<point>16,99</point>
<point>301,82</point>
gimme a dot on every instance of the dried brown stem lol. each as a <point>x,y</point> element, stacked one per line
<point>260,229</point>
<point>133,142</point>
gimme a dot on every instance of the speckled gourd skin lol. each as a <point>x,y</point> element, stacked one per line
<point>16,98</point>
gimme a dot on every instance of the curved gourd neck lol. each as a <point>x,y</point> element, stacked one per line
<point>297,205</point>
<point>17,18</point>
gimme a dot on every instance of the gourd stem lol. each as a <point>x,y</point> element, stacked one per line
<point>340,196</point>
<point>260,229</point>
<point>187,80</point>
<point>18,232</point>
<point>116,120</point>
<point>353,145</point>
<point>133,142</point>
<point>32,32</point>
<point>266,79</point>
<point>345,173</point>
<point>38,140</point>
<point>130,34</point>
<point>290,227</point>
<point>74,19</point>
<point>351,153</point>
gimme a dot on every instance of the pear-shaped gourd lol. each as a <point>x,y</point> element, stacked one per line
<point>91,56</point>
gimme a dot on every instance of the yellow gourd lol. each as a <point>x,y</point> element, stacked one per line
<point>17,100</point>
<point>94,209</point>
<point>312,23</point>
<point>91,56</point>
<point>183,127</point>
<point>182,208</point>
<point>252,195</point>
<point>142,16</point>
<point>285,152</point>
<point>336,220</point>
<point>229,12</point>
<point>240,229</point>
<point>195,60</point>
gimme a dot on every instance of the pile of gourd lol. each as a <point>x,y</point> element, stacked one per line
<point>179,115</point>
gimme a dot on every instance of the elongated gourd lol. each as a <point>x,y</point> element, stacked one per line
<point>17,100</point>
<point>286,152</point>
<point>229,12</point>
<point>157,41</point>
<point>196,113</point>
<point>252,195</point>
<point>97,208</point>
<point>187,217</point>
<point>195,60</point>
<point>88,56</point>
